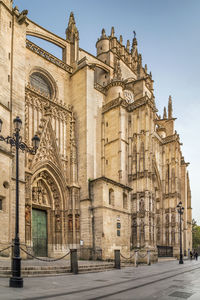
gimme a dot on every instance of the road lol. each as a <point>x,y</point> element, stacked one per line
<point>164,280</point>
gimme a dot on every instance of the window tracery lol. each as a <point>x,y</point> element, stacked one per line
<point>41,83</point>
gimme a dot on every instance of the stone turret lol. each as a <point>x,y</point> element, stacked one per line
<point>115,88</point>
<point>103,43</point>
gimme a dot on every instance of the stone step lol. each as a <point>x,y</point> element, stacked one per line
<point>53,270</point>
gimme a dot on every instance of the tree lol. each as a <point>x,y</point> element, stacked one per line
<point>195,235</point>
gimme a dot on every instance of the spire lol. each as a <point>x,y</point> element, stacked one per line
<point>112,31</point>
<point>170,108</point>
<point>121,39</point>
<point>128,46</point>
<point>103,34</point>
<point>72,31</point>
<point>117,74</point>
<point>164,113</point>
<point>145,68</point>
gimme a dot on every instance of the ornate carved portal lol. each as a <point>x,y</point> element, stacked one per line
<point>52,170</point>
<point>47,195</point>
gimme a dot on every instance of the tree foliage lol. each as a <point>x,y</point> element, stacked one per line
<point>195,235</point>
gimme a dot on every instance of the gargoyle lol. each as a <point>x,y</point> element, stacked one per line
<point>22,17</point>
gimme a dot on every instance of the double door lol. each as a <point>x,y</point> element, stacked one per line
<point>39,232</point>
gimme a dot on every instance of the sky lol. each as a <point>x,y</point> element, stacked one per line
<point>168,35</point>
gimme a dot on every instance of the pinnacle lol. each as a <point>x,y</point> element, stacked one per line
<point>128,45</point>
<point>164,113</point>
<point>103,33</point>
<point>170,107</point>
<point>112,31</point>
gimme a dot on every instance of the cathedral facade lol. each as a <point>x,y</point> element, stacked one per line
<point>109,171</point>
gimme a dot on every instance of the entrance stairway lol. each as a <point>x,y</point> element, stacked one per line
<point>31,268</point>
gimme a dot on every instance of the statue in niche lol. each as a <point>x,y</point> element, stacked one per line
<point>142,233</point>
<point>158,233</point>
<point>167,237</point>
<point>77,223</point>
<point>134,232</point>
<point>173,237</point>
<point>28,214</point>
<point>141,205</point>
<point>70,223</point>
<point>44,196</point>
<point>40,196</point>
<point>58,223</point>
<point>173,220</point>
<point>167,220</point>
<point>34,194</point>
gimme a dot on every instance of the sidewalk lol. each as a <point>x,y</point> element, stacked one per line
<point>162,281</point>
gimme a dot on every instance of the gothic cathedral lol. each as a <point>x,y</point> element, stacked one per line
<point>109,171</point>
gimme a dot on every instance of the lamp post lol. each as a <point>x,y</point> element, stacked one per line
<point>180,211</point>
<point>16,141</point>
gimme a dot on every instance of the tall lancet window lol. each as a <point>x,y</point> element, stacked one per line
<point>142,166</point>
<point>134,161</point>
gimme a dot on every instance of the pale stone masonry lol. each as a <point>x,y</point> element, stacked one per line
<point>109,171</point>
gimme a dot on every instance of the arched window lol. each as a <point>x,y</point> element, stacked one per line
<point>134,161</point>
<point>142,157</point>
<point>111,197</point>
<point>41,83</point>
<point>125,202</point>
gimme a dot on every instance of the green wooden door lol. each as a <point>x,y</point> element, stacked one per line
<point>39,232</point>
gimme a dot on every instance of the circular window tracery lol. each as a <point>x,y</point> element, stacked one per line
<point>41,83</point>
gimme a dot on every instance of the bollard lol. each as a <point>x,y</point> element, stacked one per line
<point>74,261</point>
<point>136,258</point>
<point>117,259</point>
<point>148,257</point>
<point>188,253</point>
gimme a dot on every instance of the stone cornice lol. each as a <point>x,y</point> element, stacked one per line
<point>99,88</point>
<point>114,82</point>
<point>112,182</point>
<point>129,107</point>
<point>172,195</point>
<point>142,101</point>
<point>114,103</point>
<point>170,139</point>
<point>112,208</point>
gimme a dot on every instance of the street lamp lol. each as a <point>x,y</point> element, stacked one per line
<point>16,141</point>
<point>180,211</point>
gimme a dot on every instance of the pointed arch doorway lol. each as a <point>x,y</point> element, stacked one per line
<point>48,217</point>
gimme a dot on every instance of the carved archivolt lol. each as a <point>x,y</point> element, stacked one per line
<point>45,191</point>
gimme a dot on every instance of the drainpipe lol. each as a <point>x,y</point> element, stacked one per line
<point>92,215</point>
